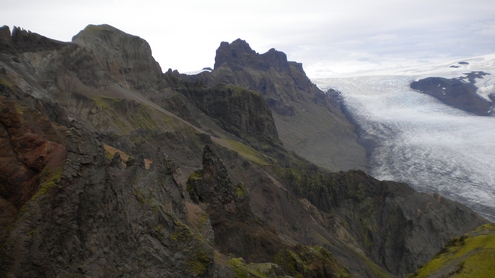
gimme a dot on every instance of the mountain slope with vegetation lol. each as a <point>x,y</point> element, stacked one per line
<point>470,255</point>
<point>112,168</point>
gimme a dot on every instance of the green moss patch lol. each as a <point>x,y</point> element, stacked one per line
<point>248,152</point>
<point>307,261</point>
<point>49,179</point>
<point>199,265</point>
<point>239,267</point>
<point>194,176</point>
<point>255,270</point>
<point>240,191</point>
<point>143,120</point>
<point>6,83</point>
<point>105,102</point>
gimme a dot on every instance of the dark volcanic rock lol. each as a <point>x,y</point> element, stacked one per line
<point>5,39</point>
<point>457,93</point>
<point>26,41</point>
<point>239,54</point>
<point>242,112</point>
<point>213,185</point>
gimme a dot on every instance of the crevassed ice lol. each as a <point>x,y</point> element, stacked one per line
<point>423,142</point>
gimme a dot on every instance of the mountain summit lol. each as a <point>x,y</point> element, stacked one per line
<point>239,53</point>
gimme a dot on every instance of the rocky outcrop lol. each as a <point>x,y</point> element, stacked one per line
<point>457,93</point>
<point>238,64</point>
<point>5,39</point>
<point>213,186</point>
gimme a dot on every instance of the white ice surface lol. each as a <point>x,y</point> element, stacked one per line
<point>421,141</point>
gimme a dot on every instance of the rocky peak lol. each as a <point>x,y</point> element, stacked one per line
<point>125,54</point>
<point>230,51</point>
<point>25,41</point>
<point>241,45</point>
<point>213,167</point>
<point>105,35</point>
<point>276,59</point>
<point>239,54</point>
<point>5,38</point>
<point>5,33</point>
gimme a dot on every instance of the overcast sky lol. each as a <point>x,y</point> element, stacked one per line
<point>330,37</point>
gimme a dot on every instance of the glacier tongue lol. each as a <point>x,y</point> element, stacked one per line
<point>416,139</point>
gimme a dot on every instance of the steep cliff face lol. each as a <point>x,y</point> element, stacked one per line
<point>308,121</point>
<point>105,171</point>
<point>395,225</point>
<point>239,111</point>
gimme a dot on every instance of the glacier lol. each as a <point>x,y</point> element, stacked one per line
<point>416,139</point>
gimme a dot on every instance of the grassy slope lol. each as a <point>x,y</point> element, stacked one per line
<point>472,255</point>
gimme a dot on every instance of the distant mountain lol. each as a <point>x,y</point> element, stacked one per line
<point>110,167</point>
<point>308,121</point>
<point>467,84</point>
<point>473,92</point>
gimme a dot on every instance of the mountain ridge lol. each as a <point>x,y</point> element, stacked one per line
<point>156,213</point>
